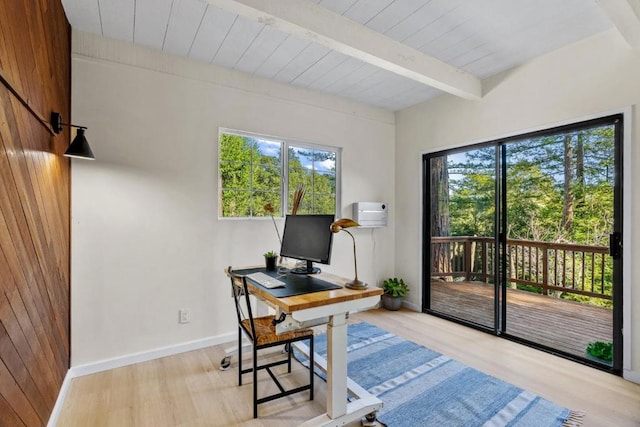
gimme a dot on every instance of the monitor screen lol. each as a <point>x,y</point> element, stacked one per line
<point>307,238</point>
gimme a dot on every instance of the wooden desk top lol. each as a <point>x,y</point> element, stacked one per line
<point>315,299</point>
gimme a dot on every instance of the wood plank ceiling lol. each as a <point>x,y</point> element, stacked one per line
<point>472,37</point>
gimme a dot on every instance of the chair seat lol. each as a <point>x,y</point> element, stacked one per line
<point>266,332</point>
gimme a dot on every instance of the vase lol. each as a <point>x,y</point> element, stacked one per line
<point>391,303</point>
<point>270,263</point>
<point>588,356</point>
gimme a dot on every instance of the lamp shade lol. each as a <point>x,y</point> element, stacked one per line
<point>342,224</point>
<point>79,147</point>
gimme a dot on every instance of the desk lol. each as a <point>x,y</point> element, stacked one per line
<point>333,305</point>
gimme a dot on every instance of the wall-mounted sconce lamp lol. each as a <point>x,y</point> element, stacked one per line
<point>79,146</point>
<point>342,225</point>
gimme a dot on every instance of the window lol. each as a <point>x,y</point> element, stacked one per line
<point>256,170</point>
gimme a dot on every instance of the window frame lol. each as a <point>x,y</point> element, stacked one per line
<point>285,144</point>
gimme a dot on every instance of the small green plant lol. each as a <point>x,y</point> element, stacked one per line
<point>271,254</point>
<point>395,287</point>
<point>601,350</point>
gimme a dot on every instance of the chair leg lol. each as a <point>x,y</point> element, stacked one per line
<point>239,356</point>
<point>289,352</point>
<point>311,367</point>
<point>255,382</point>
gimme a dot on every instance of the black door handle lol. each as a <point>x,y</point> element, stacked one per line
<point>615,244</point>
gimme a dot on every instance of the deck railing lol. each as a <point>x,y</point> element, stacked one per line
<point>549,267</point>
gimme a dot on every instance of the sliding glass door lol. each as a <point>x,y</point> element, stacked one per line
<point>522,239</point>
<point>462,200</point>
<point>560,208</point>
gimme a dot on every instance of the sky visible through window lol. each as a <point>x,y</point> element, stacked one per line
<point>272,149</point>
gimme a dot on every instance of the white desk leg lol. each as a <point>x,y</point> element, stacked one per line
<point>337,366</point>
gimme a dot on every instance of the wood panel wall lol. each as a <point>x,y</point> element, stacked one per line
<point>35,71</point>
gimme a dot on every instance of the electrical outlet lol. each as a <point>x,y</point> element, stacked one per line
<point>184,315</point>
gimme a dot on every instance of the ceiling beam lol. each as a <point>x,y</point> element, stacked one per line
<point>625,15</point>
<point>308,21</point>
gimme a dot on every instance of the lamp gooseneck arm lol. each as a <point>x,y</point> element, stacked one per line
<point>355,259</point>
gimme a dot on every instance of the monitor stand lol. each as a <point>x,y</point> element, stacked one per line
<point>309,269</point>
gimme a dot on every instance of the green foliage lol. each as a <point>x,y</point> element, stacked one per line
<point>395,287</point>
<point>319,182</point>
<point>529,288</point>
<point>536,194</point>
<point>535,189</point>
<point>600,302</point>
<point>601,350</point>
<point>271,254</point>
<point>251,177</point>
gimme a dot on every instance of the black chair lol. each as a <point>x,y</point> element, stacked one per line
<point>261,332</point>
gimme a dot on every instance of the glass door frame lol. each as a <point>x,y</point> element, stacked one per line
<point>500,262</point>
<point>426,243</point>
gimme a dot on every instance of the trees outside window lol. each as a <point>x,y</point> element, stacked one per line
<point>255,171</point>
<point>559,189</point>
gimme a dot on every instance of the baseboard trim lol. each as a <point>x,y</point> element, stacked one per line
<point>131,359</point>
<point>633,376</point>
<point>62,394</point>
<point>143,356</point>
<point>411,306</point>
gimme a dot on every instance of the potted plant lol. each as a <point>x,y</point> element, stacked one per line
<point>394,289</point>
<point>270,260</point>
<point>600,351</point>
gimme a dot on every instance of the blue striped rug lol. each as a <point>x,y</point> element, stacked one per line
<point>420,387</point>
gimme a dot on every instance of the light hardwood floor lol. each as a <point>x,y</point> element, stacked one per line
<point>189,390</point>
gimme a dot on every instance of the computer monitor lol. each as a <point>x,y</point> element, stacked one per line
<point>307,238</point>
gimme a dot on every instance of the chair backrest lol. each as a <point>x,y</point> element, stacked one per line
<point>240,292</point>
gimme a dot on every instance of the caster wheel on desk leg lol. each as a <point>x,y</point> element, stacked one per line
<point>370,420</point>
<point>225,363</point>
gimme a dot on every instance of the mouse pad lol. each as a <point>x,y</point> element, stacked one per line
<point>295,284</point>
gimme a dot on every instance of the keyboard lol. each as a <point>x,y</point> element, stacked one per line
<point>266,280</point>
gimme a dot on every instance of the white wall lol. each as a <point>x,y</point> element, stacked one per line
<point>592,77</point>
<point>146,238</point>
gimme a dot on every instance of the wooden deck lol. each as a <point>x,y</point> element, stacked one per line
<point>560,324</point>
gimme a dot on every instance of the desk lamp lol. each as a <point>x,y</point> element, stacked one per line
<point>342,225</point>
